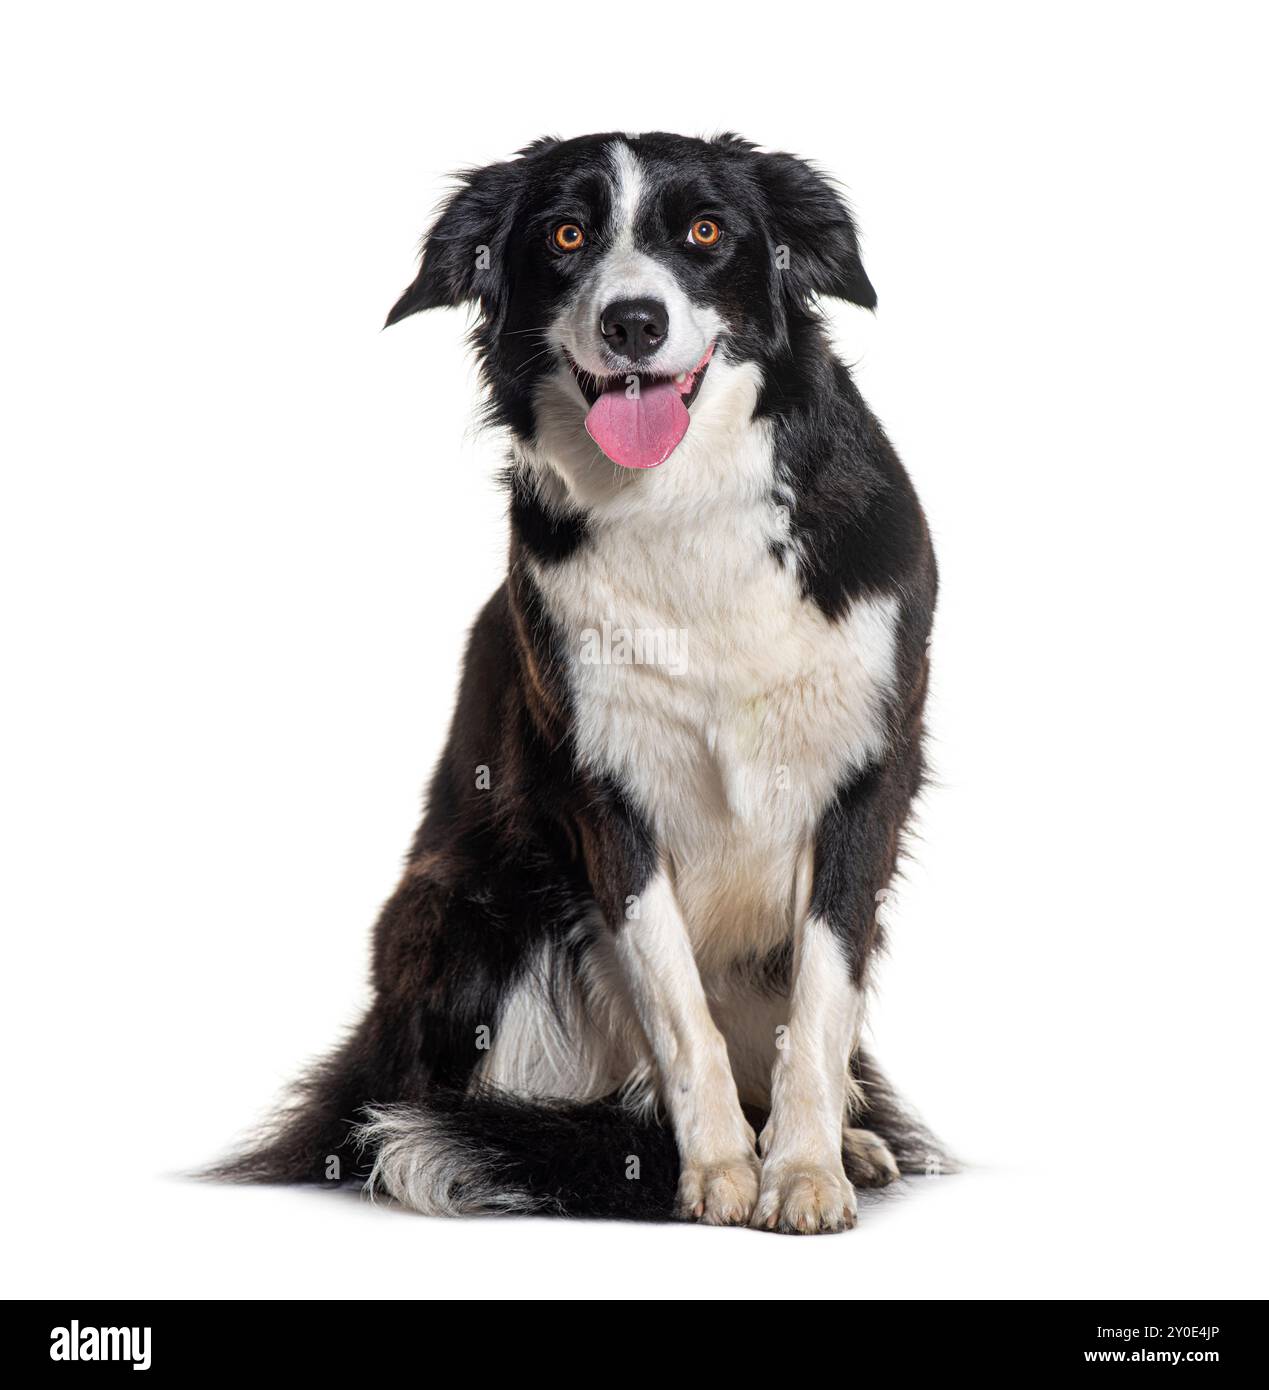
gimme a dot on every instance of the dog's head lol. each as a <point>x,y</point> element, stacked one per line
<point>613,272</point>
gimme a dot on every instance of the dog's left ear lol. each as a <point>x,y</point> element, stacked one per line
<point>816,245</point>
<point>464,254</point>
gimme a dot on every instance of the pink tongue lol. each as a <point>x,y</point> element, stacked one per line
<point>639,432</point>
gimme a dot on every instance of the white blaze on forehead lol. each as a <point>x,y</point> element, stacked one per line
<point>627,191</point>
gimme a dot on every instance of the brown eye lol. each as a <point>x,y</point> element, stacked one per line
<point>568,236</point>
<point>705,232</point>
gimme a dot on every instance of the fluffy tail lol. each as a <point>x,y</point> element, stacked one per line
<point>314,1137</point>
<point>490,1152</point>
<point>457,1153</point>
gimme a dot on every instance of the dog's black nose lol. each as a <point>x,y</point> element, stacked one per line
<point>634,328</point>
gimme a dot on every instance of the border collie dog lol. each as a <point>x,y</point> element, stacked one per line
<point>624,972</point>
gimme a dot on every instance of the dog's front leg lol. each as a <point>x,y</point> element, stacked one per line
<point>804,1183</point>
<point>718,1177</point>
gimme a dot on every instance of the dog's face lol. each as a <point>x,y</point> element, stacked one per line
<point>613,272</point>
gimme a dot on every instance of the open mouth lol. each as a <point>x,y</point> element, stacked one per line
<point>639,419</point>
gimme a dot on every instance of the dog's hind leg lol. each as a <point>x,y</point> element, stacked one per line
<point>869,1162</point>
<point>568,1030</point>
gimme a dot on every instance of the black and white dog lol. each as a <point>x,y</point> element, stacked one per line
<point>637,921</point>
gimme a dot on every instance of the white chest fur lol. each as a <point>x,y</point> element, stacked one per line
<point>754,707</point>
<point>728,707</point>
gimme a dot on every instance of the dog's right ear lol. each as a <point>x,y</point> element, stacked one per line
<point>464,254</point>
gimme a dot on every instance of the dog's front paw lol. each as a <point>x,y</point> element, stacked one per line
<point>868,1158</point>
<point>805,1199</point>
<point>718,1194</point>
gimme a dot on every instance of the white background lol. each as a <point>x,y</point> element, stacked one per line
<point>243,533</point>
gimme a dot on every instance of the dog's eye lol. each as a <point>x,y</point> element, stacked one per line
<point>568,236</point>
<point>705,232</point>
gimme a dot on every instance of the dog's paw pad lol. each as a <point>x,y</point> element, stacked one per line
<point>869,1161</point>
<point>805,1201</point>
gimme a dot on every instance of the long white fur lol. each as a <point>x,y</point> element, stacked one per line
<point>567,1036</point>
<point>420,1164</point>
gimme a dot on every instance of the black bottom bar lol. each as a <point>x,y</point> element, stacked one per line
<point>357,1342</point>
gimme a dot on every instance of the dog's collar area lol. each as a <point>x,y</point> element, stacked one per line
<point>593,387</point>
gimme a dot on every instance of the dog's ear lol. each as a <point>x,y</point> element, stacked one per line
<point>464,254</point>
<point>816,247</point>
